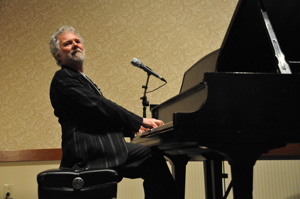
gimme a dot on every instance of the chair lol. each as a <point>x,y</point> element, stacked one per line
<point>78,184</point>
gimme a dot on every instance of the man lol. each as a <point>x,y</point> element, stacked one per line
<point>93,127</point>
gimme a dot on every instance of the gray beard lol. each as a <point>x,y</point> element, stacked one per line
<point>78,57</point>
<point>74,61</point>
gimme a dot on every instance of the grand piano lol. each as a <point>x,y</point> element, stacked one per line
<point>239,101</point>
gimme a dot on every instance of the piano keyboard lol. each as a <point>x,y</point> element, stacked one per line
<point>166,127</point>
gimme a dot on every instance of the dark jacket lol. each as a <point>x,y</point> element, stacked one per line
<point>93,127</point>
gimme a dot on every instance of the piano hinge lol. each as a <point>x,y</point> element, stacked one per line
<point>203,82</point>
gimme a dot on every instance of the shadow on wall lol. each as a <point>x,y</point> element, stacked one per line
<point>294,197</point>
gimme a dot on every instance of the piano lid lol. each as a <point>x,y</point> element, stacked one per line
<point>247,46</point>
<point>195,74</point>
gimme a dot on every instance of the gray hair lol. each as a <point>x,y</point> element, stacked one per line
<point>54,42</point>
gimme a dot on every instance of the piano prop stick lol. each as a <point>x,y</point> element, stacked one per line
<point>282,64</point>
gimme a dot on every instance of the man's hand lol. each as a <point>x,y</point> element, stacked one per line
<point>142,130</point>
<point>149,123</point>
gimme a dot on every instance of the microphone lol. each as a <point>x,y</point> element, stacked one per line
<point>139,64</point>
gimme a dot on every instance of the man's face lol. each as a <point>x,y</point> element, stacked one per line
<point>72,49</point>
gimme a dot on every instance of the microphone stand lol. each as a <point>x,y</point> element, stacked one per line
<point>145,103</point>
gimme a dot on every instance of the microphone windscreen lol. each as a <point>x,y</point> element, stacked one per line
<point>136,62</point>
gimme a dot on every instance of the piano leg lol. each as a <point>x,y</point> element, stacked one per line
<point>178,164</point>
<point>242,162</point>
<point>242,178</point>
<point>213,178</point>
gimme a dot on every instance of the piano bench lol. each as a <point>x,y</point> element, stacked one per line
<point>78,184</point>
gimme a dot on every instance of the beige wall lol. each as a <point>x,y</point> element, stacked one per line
<point>167,35</point>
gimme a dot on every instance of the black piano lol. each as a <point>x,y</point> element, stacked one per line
<point>237,102</point>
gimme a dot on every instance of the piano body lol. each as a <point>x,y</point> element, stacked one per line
<point>239,101</point>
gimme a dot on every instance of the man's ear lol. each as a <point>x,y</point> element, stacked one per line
<point>58,57</point>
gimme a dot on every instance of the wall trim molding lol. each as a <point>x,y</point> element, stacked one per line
<point>290,151</point>
<point>31,155</point>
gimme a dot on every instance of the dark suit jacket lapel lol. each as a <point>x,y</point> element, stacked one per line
<point>86,80</point>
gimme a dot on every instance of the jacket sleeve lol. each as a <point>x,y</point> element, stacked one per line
<point>73,98</point>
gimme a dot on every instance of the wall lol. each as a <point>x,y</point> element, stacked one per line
<point>167,35</point>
